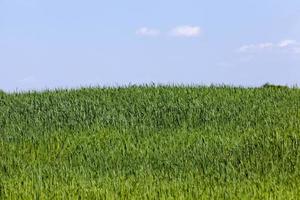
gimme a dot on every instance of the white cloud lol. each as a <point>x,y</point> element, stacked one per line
<point>186,31</point>
<point>268,45</point>
<point>254,47</point>
<point>145,31</point>
<point>247,47</point>
<point>286,45</point>
<point>290,45</point>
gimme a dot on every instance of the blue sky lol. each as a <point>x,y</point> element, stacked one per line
<point>72,43</point>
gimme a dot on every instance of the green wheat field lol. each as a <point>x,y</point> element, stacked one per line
<point>151,142</point>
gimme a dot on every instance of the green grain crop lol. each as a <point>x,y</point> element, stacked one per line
<point>151,142</point>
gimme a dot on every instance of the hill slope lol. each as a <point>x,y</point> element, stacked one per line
<point>150,143</point>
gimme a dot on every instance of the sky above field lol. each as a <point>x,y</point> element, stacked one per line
<point>72,43</point>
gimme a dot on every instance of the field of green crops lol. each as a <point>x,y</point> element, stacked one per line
<point>151,142</point>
